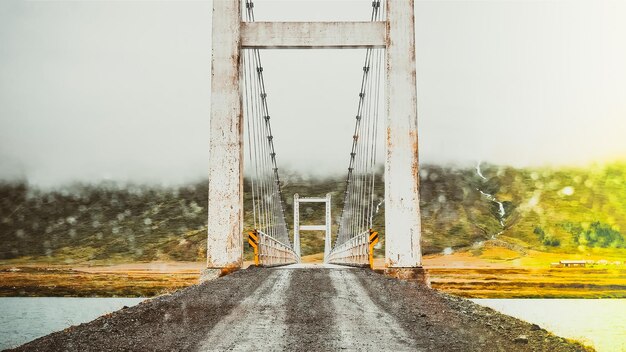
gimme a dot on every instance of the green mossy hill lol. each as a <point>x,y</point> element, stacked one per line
<point>549,209</point>
<point>105,222</point>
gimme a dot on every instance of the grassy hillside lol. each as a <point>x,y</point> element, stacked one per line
<point>554,210</point>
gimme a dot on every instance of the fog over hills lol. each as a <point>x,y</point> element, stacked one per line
<point>93,91</point>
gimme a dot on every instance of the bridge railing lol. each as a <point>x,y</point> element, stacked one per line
<point>269,251</point>
<point>353,252</point>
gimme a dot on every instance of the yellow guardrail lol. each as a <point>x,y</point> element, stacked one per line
<point>268,251</point>
<point>253,240</point>
<point>373,241</point>
<point>357,251</point>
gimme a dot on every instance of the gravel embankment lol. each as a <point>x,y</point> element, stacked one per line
<point>304,309</point>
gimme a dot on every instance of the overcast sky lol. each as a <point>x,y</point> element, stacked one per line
<point>120,90</point>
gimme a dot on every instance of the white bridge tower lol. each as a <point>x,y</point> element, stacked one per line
<point>231,35</point>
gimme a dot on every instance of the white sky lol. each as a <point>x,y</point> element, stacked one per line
<point>91,90</point>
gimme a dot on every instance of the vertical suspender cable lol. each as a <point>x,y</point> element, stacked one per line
<point>267,201</point>
<point>356,216</point>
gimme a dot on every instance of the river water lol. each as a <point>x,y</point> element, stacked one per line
<point>600,323</point>
<point>597,322</point>
<point>23,319</point>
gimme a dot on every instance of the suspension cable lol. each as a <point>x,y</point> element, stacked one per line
<point>358,212</point>
<point>267,201</point>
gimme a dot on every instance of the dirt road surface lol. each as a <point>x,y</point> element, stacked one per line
<point>305,308</point>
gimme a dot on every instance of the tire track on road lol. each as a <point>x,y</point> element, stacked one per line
<point>257,323</point>
<point>362,324</point>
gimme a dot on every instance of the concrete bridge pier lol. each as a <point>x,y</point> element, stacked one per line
<point>403,253</point>
<point>225,206</point>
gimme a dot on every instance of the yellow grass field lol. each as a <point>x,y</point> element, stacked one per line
<point>115,281</point>
<point>495,272</point>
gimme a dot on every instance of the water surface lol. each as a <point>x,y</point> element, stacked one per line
<point>600,323</point>
<point>23,319</point>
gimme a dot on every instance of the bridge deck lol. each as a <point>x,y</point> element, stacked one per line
<point>321,309</point>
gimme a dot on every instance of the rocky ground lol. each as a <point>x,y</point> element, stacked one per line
<point>317,309</point>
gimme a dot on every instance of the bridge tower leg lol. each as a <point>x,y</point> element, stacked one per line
<point>402,213</point>
<point>225,206</point>
<point>296,224</point>
<point>327,240</point>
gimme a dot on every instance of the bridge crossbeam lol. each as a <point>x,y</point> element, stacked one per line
<point>313,35</point>
<point>312,200</point>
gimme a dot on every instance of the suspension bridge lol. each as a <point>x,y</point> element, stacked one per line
<point>241,119</point>
<point>281,304</point>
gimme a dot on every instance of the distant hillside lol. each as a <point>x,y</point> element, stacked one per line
<point>563,210</point>
<point>566,209</point>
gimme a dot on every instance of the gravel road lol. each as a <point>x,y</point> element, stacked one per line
<point>307,309</point>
